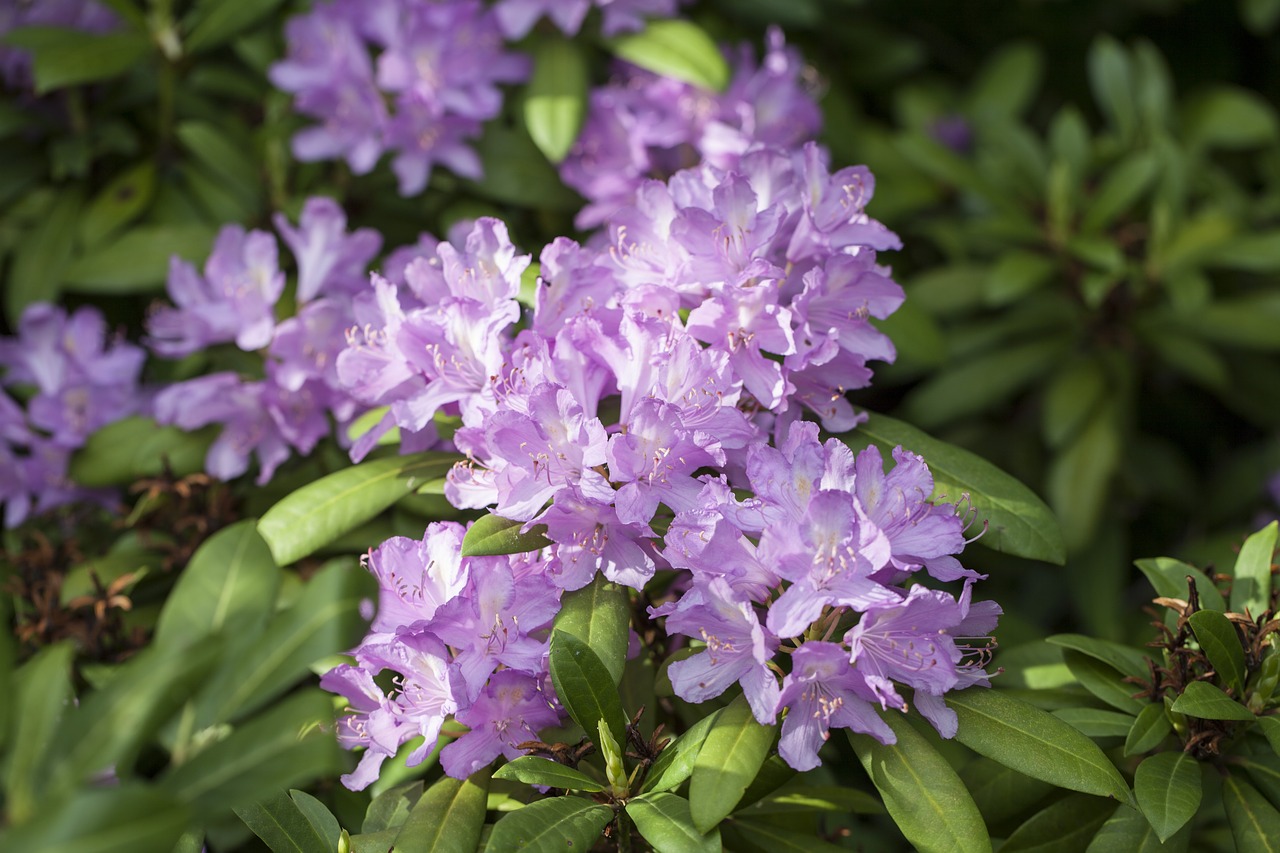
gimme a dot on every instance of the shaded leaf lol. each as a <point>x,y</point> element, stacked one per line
<point>43,696</point>
<point>279,822</point>
<point>1255,824</point>
<point>1127,831</point>
<point>1151,727</point>
<point>534,770</point>
<point>585,687</point>
<point>754,836</point>
<point>131,448</point>
<point>1128,661</point>
<point>130,816</point>
<point>1221,644</point>
<point>550,826</point>
<point>1201,699</point>
<point>1169,578</point>
<point>1167,786</point>
<point>1104,682</point>
<point>389,809</point>
<point>599,615</point>
<point>118,203</point>
<point>214,22</point>
<point>35,273</point>
<point>138,260</point>
<point>1095,722</point>
<point>675,762</point>
<point>664,820</point>
<point>1251,587</point>
<point>1064,826</point>
<point>68,57</point>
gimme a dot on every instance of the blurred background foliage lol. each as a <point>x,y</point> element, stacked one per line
<point>1088,194</point>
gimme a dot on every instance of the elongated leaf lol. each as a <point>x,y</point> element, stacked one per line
<point>1080,476</point>
<point>533,770</point>
<point>1095,722</point>
<point>1128,661</point>
<point>791,799</point>
<point>136,447</point>
<point>550,826</point>
<point>1127,831</point>
<point>118,203</point>
<point>1071,398</point>
<point>1001,794</point>
<point>325,621</point>
<point>44,693</point>
<point>138,260</point>
<point>1221,644</point>
<point>1151,727</point>
<point>279,822</point>
<point>1251,589</point>
<point>1169,578</point>
<point>231,581</point>
<point>1201,699</point>
<point>391,808</point>
<point>585,686</point>
<point>986,380</point>
<point>1111,78</point>
<point>675,763</point>
<point>1121,188</point>
<point>265,755</point>
<point>676,48</point>
<point>448,818</point>
<point>664,820</point>
<point>756,836</point>
<point>1255,824</point>
<point>1168,789</point>
<point>130,816</point>
<point>599,615</point>
<point>1104,682</point>
<point>1270,727</point>
<point>41,258</point>
<point>1034,743</point>
<point>728,762</point>
<point>556,101</point>
<point>68,57</point>
<point>1017,521</point>
<point>1229,117</point>
<point>1064,826</point>
<point>319,816</point>
<point>215,22</point>
<point>320,512</point>
<point>924,796</point>
<point>493,535</point>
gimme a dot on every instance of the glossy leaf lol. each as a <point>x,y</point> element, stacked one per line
<point>675,762</point>
<point>1128,831</point>
<point>676,48</point>
<point>230,582</point>
<point>1034,743</point>
<point>43,696</point>
<point>448,818</point>
<point>599,615</point>
<point>1064,826</point>
<point>556,100</point>
<point>728,762</point>
<point>1270,727</point>
<point>138,260</point>
<point>534,770</point>
<point>1221,644</point>
<point>279,822</point>
<point>1255,823</point>
<point>1167,786</point>
<point>756,836</point>
<point>1149,729</point>
<point>1169,578</point>
<point>1201,699</point>
<point>1251,587</point>
<point>135,447</point>
<point>1017,521</point>
<point>1129,661</point>
<point>585,687</point>
<point>550,826</point>
<point>1104,682</point>
<point>664,820</point>
<point>319,816</point>
<point>924,796</point>
<point>492,535</point>
<point>1095,722</point>
<point>320,512</point>
<point>391,808</point>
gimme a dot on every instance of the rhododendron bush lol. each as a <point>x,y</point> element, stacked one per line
<point>461,425</point>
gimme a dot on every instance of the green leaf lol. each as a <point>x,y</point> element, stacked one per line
<point>492,535</point>
<point>1203,700</point>
<point>516,172</point>
<point>1270,727</point>
<point>325,621</point>
<point>1243,322</point>
<point>1251,587</point>
<point>1017,522</point>
<point>1064,826</point>
<point>67,57</point>
<point>1229,117</point>
<point>1080,475</point>
<point>319,816</point>
<point>1127,831</point>
<point>448,818</point>
<point>675,762</point>
<point>585,687</point>
<point>320,512</point>
<point>1128,661</point>
<point>1221,644</point>
<point>1004,86</point>
<point>533,770</point>
<point>138,260</point>
<point>130,816</point>
<point>214,22</point>
<point>664,820</point>
<point>1071,398</point>
<point>1104,682</point>
<point>1168,789</point>
<point>1255,824</point>
<point>118,203</point>
<point>1151,727</point>
<point>35,273</point>
<point>979,383</point>
<point>1169,578</point>
<point>1111,78</point>
<point>1257,251</point>
<point>1036,744</point>
<point>391,808</point>
<point>792,799</point>
<point>1095,722</point>
<point>599,614</point>
<point>757,836</point>
<point>224,157</point>
<point>556,100</point>
<point>281,824</point>
<point>230,583</point>
<point>924,796</point>
<point>550,826</point>
<point>1016,274</point>
<point>265,755</point>
<point>1123,186</point>
<point>735,747</point>
<point>1001,795</point>
<point>131,448</point>
<point>675,48</point>
<point>43,696</point>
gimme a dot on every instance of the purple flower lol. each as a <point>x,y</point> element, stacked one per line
<point>329,260</point>
<point>415,578</point>
<point>512,709</point>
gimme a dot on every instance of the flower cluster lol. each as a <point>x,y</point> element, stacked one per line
<point>643,125</point>
<point>74,379</point>
<point>291,406</point>
<point>517,17</point>
<point>426,94</point>
<point>662,374</point>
